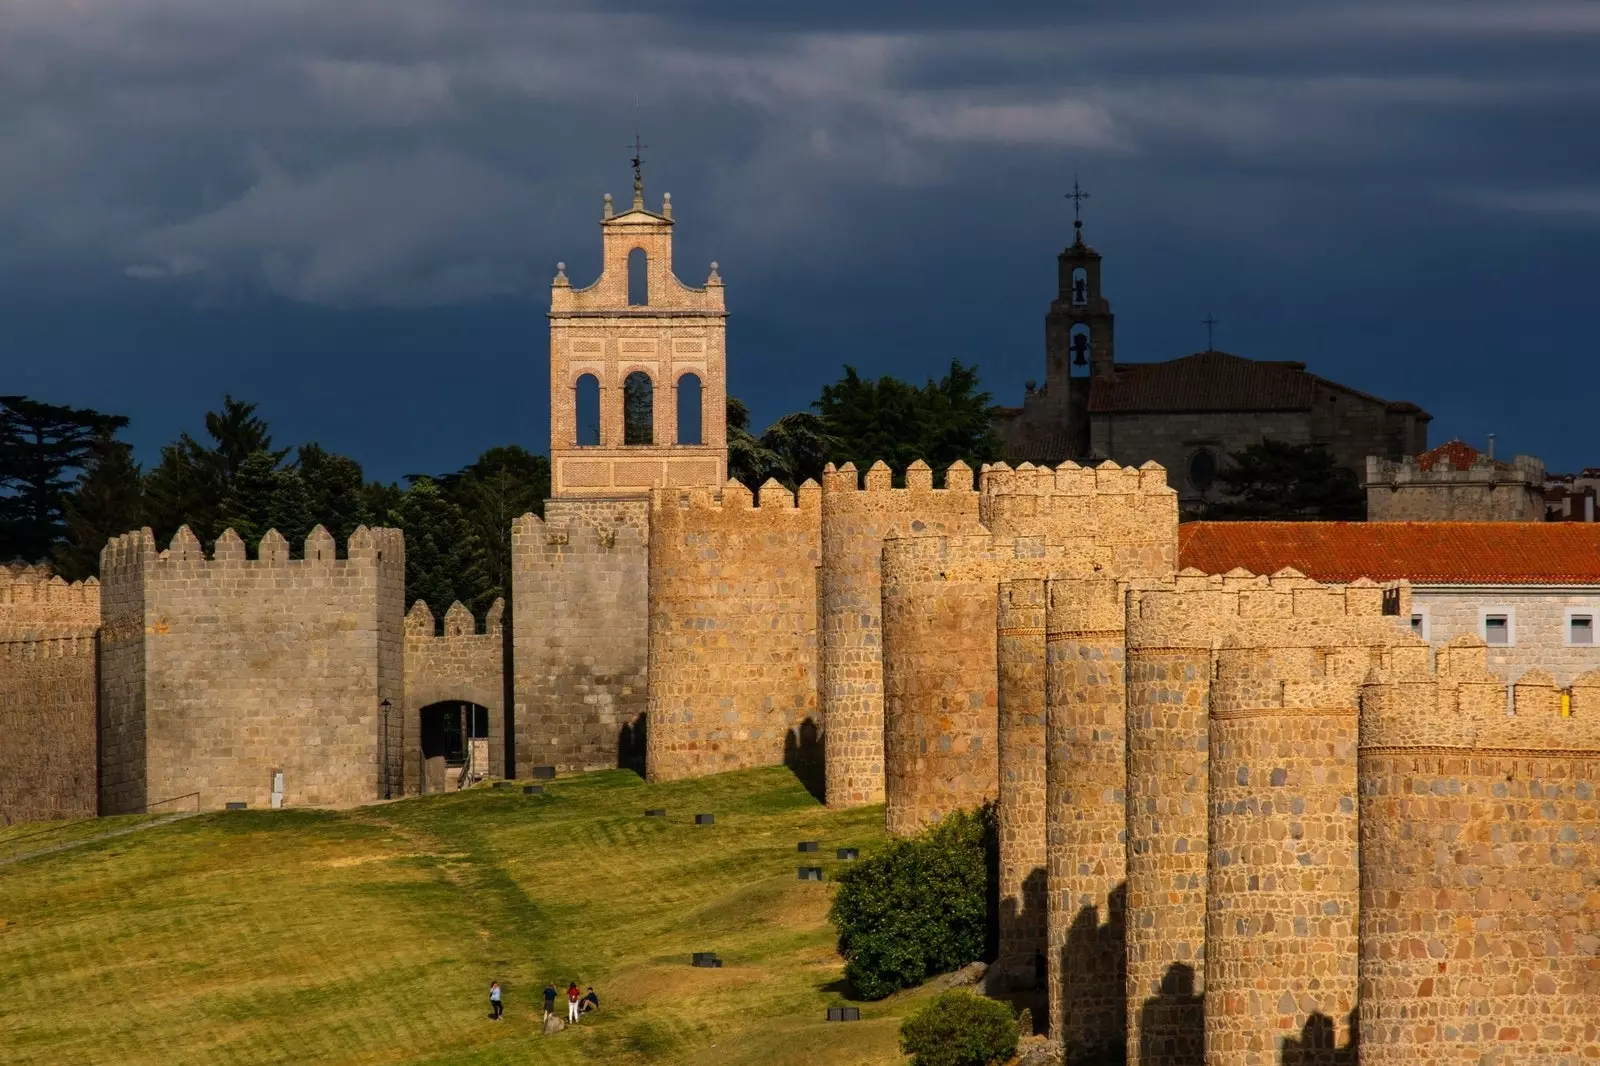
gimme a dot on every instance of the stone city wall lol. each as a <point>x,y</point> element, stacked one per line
<point>459,664</point>
<point>221,672</point>
<point>47,720</point>
<point>733,629</point>
<point>1480,831</point>
<point>1020,657</point>
<point>580,634</point>
<point>35,603</point>
<point>856,519</point>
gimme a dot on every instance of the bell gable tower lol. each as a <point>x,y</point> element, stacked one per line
<point>638,373</point>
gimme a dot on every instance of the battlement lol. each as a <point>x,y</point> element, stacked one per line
<point>878,480</point>
<point>1285,609</point>
<point>1522,470</point>
<point>136,551</point>
<point>459,622</point>
<point>685,505</point>
<point>35,602</point>
<point>1455,702</point>
<point>1070,479</point>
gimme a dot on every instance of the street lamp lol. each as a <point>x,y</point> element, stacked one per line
<point>383,722</point>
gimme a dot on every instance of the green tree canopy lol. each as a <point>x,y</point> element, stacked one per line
<point>108,501</point>
<point>42,446</point>
<point>445,560</point>
<point>888,419</point>
<point>502,485</point>
<point>1288,482</point>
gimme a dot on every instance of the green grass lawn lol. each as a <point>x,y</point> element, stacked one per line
<point>371,935</point>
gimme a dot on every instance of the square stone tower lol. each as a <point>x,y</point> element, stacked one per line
<point>629,354</point>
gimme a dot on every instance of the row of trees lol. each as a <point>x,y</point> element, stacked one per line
<point>457,525</point>
<point>67,483</point>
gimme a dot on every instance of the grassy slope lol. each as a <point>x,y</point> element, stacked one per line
<point>371,935</point>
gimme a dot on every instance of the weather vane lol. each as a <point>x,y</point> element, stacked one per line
<point>1078,195</point>
<point>1210,323</point>
<point>638,166</point>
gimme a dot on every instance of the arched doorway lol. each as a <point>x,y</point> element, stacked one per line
<point>455,744</point>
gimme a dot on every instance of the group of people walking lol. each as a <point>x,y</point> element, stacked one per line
<point>578,1004</point>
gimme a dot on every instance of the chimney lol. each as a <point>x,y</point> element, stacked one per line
<point>1491,445</point>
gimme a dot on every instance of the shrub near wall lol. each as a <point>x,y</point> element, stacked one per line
<point>918,908</point>
<point>960,1029</point>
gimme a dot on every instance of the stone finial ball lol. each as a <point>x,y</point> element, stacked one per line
<point>608,198</point>
<point>713,264</point>
<point>561,268</point>
<point>667,196</point>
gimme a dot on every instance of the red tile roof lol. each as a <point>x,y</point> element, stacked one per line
<point>1425,553</point>
<point>1461,455</point>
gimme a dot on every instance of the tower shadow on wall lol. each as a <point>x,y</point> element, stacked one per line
<point>1316,1046</point>
<point>802,754</point>
<point>1022,979</point>
<point>631,744</point>
<point>1094,969</point>
<point>1172,1023</point>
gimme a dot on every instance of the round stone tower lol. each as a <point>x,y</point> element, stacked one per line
<point>1086,722</point>
<point>1480,900</point>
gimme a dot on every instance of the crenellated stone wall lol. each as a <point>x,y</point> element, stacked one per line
<point>458,664</point>
<point>580,634</point>
<point>221,672</point>
<point>47,695</point>
<point>856,519</point>
<point>733,629</point>
<point>1480,838</point>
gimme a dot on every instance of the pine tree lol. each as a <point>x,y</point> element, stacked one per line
<point>252,500</point>
<point>108,501</point>
<point>335,492</point>
<point>41,444</point>
<point>501,486</point>
<point>445,560</point>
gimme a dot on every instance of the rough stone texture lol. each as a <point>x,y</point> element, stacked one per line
<point>940,727</point>
<point>594,330</point>
<point>1486,491</point>
<point>733,629</point>
<point>1086,813</point>
<point>1283,884</point>
<point>219,672</point>
<point>47,695</point>
<point>47,717</point>
<point>1020,652</point>
<point>1540,632</point>
<point>460,664</point>
<point>1480,908</point>
<point>855,521</point>
<point>580,636</point>
<point>1169,679</point>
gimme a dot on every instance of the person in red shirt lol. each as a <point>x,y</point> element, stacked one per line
<point>573,995</point>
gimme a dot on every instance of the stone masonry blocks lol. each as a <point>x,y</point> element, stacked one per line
<point>732,629</point>
<point>855,521</point>
<point>1020,652</point>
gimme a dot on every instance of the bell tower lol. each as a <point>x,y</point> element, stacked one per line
<point>1077,335</point>
<point>638,371</point>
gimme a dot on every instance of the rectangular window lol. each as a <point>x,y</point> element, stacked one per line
<point>1419,626</point>
<point>1496,629</point>
<point>1580,629</point>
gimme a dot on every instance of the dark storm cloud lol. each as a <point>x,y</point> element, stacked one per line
<point>400,152</point>
<point>880,180</point>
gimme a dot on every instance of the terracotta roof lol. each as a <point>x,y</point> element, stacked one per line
<point>1461,455</point>
<point>1207,381</point>
<point>1425,553</point>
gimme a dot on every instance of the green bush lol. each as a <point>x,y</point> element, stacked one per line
<point>919,907</point>
<point>960,1029</point>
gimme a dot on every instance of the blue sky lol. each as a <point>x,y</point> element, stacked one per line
<point>350,213</point>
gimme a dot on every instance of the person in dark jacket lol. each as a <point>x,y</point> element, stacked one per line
<point>589,1002</point>
<point>549,999</point>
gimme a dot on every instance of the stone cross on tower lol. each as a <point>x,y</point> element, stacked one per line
<point>1078,195</point>
<point>638,147</point>
<point>1210,323</point>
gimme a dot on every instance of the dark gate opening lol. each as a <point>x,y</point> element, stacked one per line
<point>454,742</point>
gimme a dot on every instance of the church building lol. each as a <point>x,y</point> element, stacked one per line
<point>1188,414</point>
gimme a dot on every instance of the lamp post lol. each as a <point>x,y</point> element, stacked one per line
<point>383,744</point>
